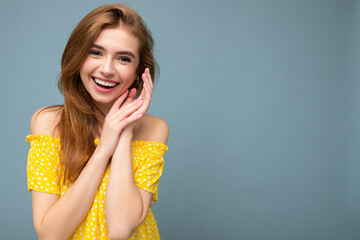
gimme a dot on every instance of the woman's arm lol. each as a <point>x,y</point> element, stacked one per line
<point>57,218</point>
<point>126,205</point>
<point>54,217</point>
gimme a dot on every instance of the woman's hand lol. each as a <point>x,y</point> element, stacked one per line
<point>146,92</point>
<point>145,95</point>
<point>122,113</point>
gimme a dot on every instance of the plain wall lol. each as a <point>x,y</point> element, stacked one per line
<point>353,122</point>
<point>263,102</point>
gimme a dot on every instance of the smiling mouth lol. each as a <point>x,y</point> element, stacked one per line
<point>104,84</point>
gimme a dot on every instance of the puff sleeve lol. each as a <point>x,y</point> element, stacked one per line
<point>43,164</point>
<point>148,165</point>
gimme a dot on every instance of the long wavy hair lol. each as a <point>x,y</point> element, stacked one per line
<point>80,118</point>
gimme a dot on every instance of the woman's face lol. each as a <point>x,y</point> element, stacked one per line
<point>110,67</point>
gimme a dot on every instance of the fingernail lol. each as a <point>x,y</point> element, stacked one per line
<point>140,102</point>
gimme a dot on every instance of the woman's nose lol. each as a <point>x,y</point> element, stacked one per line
<point>107,67</point>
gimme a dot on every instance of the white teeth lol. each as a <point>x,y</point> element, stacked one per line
<point>107,84</point>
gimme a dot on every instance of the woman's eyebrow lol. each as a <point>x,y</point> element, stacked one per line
<point>129,53</point>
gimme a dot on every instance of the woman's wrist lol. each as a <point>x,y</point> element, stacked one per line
<point>101,153</point>
<point>124,143</point>
<point>126,135</point>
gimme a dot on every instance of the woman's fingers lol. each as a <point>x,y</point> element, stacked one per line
<point>118,102</point>
<point>142,92</point>
<point>148,75</point>
<point>118,119</point>
<point>146,78</point>
<point>148,85</point>
<point>143,109</point>
<point>127,110</point>
<point>131,118</point>
<point>126,104</point>
<point>146,92</point>
<point>131,96</point>
<point>124,99</point>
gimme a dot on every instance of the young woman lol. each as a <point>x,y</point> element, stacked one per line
<point>95,162</point>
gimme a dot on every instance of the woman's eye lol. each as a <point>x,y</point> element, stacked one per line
<point>95,53</point>
<point>125,59</point>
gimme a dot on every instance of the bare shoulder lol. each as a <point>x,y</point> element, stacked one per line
<point>152,128</point>
<point>45,120</point>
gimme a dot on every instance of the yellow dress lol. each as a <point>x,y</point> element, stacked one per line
<point>43,165</point>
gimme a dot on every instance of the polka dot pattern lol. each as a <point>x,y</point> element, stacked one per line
<point>43,164</point>
<point>148,164</point>
<point>43,168</point>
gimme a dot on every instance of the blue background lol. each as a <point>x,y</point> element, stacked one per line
<point>262,98</point>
